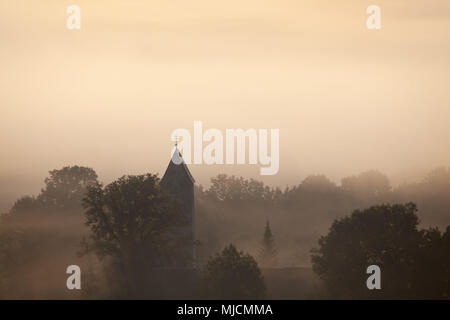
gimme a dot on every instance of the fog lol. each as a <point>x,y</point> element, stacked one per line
<point>345,99</point>
<point>363,118</point>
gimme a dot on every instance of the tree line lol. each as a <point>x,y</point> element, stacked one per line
<point>123,233</point>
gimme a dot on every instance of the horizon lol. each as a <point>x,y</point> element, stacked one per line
<point>236,150</point>
<point>344,98</point>
<point>33,185</point>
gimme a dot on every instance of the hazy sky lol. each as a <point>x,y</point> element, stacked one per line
<point>345,99</point>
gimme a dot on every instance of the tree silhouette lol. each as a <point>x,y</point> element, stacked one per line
<point>10,245</point>
<point>268,251</point>
<point>65,188</point>
<point>233,275</point>
<point>25,205</point>
<point>232,189</point>
<point>367,185</point>
<point>411,261</point>
<point>382,235</point>
<point>131,221</point>
<point>64,191</point>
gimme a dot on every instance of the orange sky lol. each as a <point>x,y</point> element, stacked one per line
<point>345,99</point>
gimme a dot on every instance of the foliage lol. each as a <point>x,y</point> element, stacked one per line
<point>132,221</point>
<point>65,188</point>
<point>268,251</point>
<point>366,185</point>
<point>233,275</point>
<point>230,188</point>
<point>386,236</point>
<point>229,211</point>
<point>64,191</point>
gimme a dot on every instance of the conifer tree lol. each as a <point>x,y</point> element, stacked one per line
<point>268,251</point>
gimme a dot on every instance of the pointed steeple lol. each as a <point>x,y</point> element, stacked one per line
<point>177,167</point>
<point>178,182</point>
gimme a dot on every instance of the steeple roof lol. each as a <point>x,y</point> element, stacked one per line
<point>176,168</point>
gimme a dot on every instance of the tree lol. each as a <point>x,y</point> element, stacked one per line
<point>446,257</point>
<point>25,205</point>
<point>233,275</point>
<point>384,235</point>
<point>64,191</point>
<point>317,183</point>
<point>10,247</point>
<point>235,190</point>
<point>432,266</point>
<point>439,177</point>
<point>268,251</point>
<point>65,188</point>
<point>315,193</point>
<point>132,221</point>
<point>431,195</point>
<point>367,185</point>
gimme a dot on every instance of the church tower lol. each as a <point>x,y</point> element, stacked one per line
<point>178,182</point>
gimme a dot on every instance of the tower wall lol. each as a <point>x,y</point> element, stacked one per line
<point>178,182</point>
